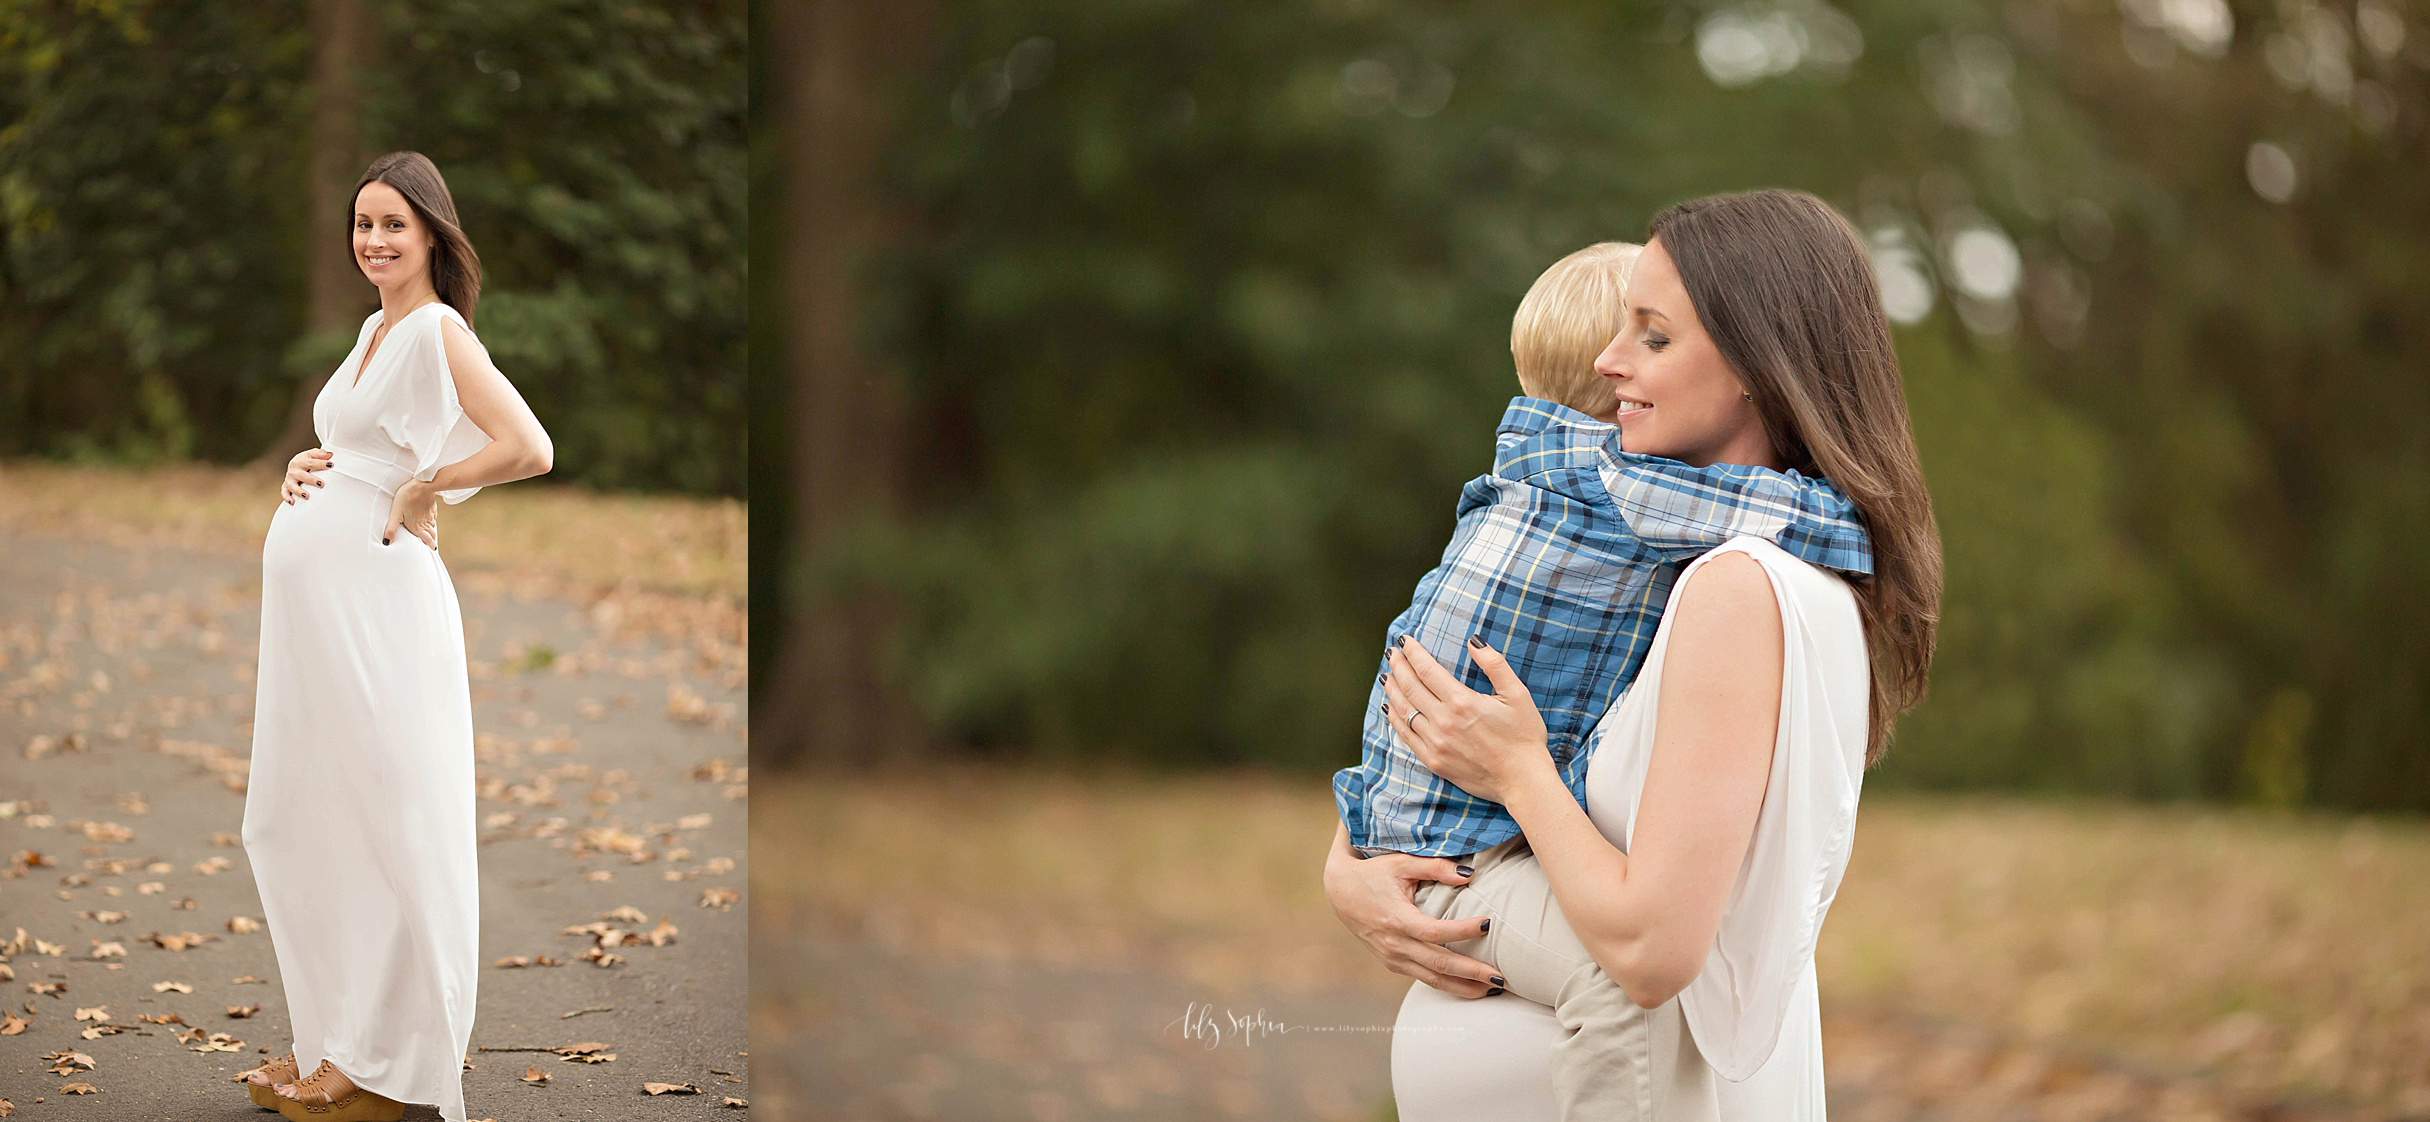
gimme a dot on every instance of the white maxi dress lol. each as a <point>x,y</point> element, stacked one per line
<point>359,810</point>
<point>1753,1011</point>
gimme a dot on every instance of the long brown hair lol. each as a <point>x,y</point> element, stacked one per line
<point>455,270</point>
<point>1783,285</point>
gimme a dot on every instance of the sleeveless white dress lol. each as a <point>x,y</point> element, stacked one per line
<point>359,818</point>
<point>1753,1011</point>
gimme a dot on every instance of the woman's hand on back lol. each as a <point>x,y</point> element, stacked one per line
<point>1376,899</point>
<point>299,474</point>
<point>415,509</point>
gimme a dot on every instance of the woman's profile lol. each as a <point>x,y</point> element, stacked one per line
<point>359,818</point>
<point>1722,786</point>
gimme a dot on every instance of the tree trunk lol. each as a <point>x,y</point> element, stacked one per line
<point>337,296</point>
<point>828,702</point>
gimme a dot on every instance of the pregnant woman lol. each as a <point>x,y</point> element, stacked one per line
<point>359,814</point>
<point>1723,785</point>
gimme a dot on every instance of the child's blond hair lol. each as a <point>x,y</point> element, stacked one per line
<point>1568,316</point>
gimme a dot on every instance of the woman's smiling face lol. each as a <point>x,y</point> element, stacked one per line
<point>1678,397</point>
<point>391,245</point>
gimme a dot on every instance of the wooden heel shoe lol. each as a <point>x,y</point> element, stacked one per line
<point>328,1096</point>
<point>275,1072</point>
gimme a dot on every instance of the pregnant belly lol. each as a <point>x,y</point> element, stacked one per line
<point>334,534</point>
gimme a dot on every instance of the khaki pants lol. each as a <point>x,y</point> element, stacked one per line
<point>1614,1062</point>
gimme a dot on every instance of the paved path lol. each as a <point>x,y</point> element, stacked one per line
<point>612,777</point>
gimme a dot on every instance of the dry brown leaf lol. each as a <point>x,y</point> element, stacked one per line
<point>660,936</point>
<point>178,942</point>
<point>240,1012</point>
<point>64,1062</point>
<point>150,887</point>
<point>243,925</point>
<point>212,866</point>
<point>80,1089</point>
<point>160,1018</point>
<point>219,1042</point>
<point>721,899</point>
<point>735,1102</point>
<point>108,950</point>
<point>12,1024</point>
<point>670,1089</point>
<point>626,913</point>
<point>164,987</point>
<point>96,1013</point>
<point>247,980</point>
<point>7,1108</point>
<point>534,1075</point>
<point>52,988</point>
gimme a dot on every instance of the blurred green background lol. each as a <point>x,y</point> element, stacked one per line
<point>1129,356</point>
<point>174,180</point>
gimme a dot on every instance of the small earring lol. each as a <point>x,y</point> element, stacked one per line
<point>1746,395</point>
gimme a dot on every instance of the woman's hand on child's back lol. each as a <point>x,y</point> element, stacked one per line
<point>1375,899</point>
<point>1486,744</point>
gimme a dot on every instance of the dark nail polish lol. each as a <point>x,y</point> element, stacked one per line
<point>1467,871</point>
<point>1484,925</point>
<point>1379,679</point>
<point>1477,641</point>
<point>1498,983</point>
<point>1494,992</point>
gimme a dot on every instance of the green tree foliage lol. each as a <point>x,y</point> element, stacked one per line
<point>1204,313</point>
<point>152,221</point>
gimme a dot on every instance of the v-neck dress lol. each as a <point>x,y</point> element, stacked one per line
<point>359,818</point>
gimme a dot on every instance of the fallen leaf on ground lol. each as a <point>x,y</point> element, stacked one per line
<point>534,1075</point>
<point>213,866</point>
<point>52,988</point>
<point>721,899</point>
<point>243,925</point>
<point>80,1089</point>
<point>104,917</point>
<point>7,1108</point>
<point>149,887</point>
<point>42,947</point>
<point>96,1013</point>
<point>239,1012</point>
<point>67,1063</point>
<point>735,1102</point>
<point>219,1042</point>
<point>177,942</point>
<point>600,958</point>
<point>12,1024</point>
<point>109,950</point>
<point>227,839</point>
<point>164,987</point>
<point>161,1018</point>
<point>670,1088</point>
<point>247,980</point>
<point>627,914</point>
<point>662,935</point>
<point>693,822</point>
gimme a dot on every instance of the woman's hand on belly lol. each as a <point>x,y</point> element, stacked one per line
<point>299,475</point>
<point>1375,899</point>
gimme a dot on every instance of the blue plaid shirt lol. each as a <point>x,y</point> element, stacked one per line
<point>1563,560</point>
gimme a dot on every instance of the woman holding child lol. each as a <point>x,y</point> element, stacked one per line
<point>1720,789</point>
